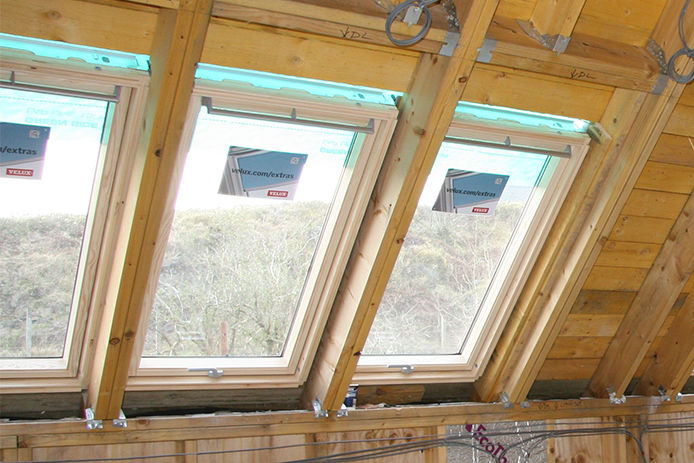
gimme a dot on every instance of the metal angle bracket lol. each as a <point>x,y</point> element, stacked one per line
<point>91,422</point>
<point>657,52</point>
<point>484,53</point>
<point>614,400</point>
<point>121,421</point>
<point>557,42</point>
<point>505,400</point>
<point>318,410</point>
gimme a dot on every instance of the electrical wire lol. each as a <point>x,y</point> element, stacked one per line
<point>686,50</point>
<point>398,9</point>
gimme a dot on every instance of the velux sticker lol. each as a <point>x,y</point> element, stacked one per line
<point>22,150</point>
<point>260,173</point>
<point>468,192</point>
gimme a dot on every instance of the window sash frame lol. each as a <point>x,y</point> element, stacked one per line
<point>330,257</point>
<point>384,369</point>
<point>71,370</point>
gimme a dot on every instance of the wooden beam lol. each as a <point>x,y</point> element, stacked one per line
<point>600,191</point>
<point>230,426</point>
<point>426,112</point>
<point>587,58</point>
<point>664,282</point>
<point>673,362</point>
<point>129,27</point>
<point>178,45</point>
<point>552,17</point>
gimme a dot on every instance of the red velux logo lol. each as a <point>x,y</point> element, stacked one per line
<point>20,172</point>
<point>277,193</point>
<point>480,210</point>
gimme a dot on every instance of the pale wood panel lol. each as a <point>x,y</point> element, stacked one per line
<point>628,254</point>
<point>377,438</point>
<point>627,21</point>
<point>603,302</point>
<point>552,17</point>
<point>128,29</point>
<point>675,447</point>
<point>583,325</point>
<point>666,177</point>
<point>583,449</point>
<point>231,43</point>
<point>641,229</point>
<point>567,369</point>
<point>615,278</point>
<point>241,450</point>
<point>567,347</point>
<point>689,286</point>
<point>674,149</point>
<point>518,9</point>
<point>109,451</point>
<point>682,121</point>
<point>687,96</point>
<point>500,86</point>
<point>645,203</point>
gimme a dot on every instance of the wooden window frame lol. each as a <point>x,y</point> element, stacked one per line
<point>383,369</point>
<point>70,372</point>
<point>292,368</point>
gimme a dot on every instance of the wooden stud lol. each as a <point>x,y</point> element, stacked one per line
<point>663,284</point>
<point>426,112</point>
<point>553,17</point>
<point>673,362</point>
<point>178,46</point>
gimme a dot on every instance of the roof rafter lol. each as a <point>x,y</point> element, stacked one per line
<point>581,230</point>
<point>177,47</point>
<point>673,362</point>
<point>664,282</point>
<point>426,112</point>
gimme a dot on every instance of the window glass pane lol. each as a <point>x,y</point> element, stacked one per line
<point>42,220</point>
<point>440,282</point>
<point>244,235</point>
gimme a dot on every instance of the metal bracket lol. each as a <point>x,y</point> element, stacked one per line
<point>484,54</point>
<point>318,410</point>
<point>505,400</point>
<point>525,404</point>
<point>664,396</point>
<point>211,372</point>
<point>450,43</point>
<point>657,53</point>
<point>678,397</point>
<point>342,412</point>
<point>91,422</point>
<point>412,15</point>
<point>557,42</point>
<point>121,421</point>
<point>614,400</point>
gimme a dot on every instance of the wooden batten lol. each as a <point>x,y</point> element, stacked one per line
<point>425,115</point>
<point>179,41</point>
<point>551,17</point>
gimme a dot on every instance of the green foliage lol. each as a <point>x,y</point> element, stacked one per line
<point>38,264</point>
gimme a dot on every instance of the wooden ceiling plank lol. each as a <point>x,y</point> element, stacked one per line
<point>664,282</point>
<point>425,115</point>
<point>673,362</point>
<point>178,45</point>
<point>556,17</point>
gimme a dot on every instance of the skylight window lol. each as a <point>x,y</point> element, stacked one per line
<point>270,200</point>
<point>490,198</point>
